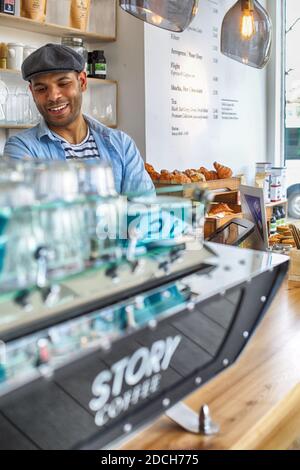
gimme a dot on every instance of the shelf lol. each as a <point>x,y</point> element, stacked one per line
<point>98,81</point>
<point>277,203</point>
<point>24,126</point>
<point>10,71</point>
<point>101,81</point>
<point>15,126</point>
<point>26,24</point>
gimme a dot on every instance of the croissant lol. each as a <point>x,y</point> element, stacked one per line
<point>195,176</point>
<point>149,168</point>
<point>154,175</point>
<point>223,171</point>
<point>190,172</point>
<point>209,175</point>
<point>221,207</point>
<point>180,178</point>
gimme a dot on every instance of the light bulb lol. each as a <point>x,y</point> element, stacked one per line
<point>156,19</point>
<point>247,24</point>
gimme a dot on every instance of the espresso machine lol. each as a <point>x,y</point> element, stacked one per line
<point>112,307</point>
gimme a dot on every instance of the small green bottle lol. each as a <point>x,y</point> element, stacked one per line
<point>273,225</point>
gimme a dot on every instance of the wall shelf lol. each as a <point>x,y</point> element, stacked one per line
<point>102,25</point>
<point>16,126</point>
<point>26,24</point>
<point>98,81</point>
<point>277,203</point>
<point>23,126</point>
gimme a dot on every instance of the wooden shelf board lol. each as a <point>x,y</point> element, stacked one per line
<point>10,71</point>
<point>24,126</point>
<point>98,81</point>
<point>277,203</point>
<point>15,126</point>
<point>26,24</point>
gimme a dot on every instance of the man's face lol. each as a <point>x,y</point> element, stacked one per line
<point>58,96</point>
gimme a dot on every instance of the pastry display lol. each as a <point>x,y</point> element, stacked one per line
<point>222,171</point>
<point>283,237</point>
<point>191,175</point>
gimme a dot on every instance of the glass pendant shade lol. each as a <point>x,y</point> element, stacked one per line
<point>246,34</point>
<point>174,15</point>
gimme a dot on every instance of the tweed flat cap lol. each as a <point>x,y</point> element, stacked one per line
<point>52,58</point>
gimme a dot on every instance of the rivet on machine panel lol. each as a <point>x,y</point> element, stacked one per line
<point>152,324</point>
<point>166,402</point>
<point>127,427</point>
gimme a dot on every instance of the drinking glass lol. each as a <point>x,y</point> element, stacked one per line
<point>61,217</point>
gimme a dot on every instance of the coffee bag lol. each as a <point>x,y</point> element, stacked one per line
<point>79,14</point>
<point>34,9</point>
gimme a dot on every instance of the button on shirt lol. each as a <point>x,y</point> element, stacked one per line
<point>115,148</point>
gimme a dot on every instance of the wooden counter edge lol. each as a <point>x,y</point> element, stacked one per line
<point>278,429</point>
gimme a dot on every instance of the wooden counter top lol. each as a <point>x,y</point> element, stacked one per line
<point>244,394</point>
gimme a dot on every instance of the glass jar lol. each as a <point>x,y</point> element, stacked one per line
<point>78,46</point>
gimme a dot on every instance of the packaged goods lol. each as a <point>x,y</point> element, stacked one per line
<point>8,6</point>
<point>3,55</point>
<point>263,178</point>
<point>79,14</point>
<point>34,9</point>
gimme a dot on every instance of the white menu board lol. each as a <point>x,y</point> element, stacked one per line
<point>200,105</point>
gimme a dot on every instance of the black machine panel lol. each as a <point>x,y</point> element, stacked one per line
<point>108,393</point>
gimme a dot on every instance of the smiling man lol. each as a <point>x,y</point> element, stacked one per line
<point>57,81</point>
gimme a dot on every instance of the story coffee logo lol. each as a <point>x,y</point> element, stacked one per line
<point>141,372</point>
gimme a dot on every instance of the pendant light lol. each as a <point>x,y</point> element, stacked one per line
<point>246,34</point>
<point>174,15</point>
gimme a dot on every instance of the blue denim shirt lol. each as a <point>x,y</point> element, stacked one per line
<point>115,148</point>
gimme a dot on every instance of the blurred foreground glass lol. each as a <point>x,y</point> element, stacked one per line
<point>62,221</point>
<point>17,246</point>
<point>173,15</point>
<point>246,34</point>
<point>103,211</point>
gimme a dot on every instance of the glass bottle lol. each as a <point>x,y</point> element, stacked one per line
<point>277,214</point>
<point>273,226</point>
<point>90,65</point>
<point>99,64</point>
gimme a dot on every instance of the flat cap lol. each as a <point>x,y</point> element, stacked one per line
<point>52,58</point>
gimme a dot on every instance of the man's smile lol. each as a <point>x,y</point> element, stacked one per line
<point>55,110</point>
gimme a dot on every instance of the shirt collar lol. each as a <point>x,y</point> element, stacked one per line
<point>43,129</point>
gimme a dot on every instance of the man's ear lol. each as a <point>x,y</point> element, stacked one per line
<point>82,80</point>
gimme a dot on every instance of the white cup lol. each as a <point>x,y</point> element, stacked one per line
<point>27,51</point>
<point>15,55</point>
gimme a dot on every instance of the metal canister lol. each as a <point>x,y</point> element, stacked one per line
<point>280,172</point>
<point>263,174</point>
<point>275,189</point>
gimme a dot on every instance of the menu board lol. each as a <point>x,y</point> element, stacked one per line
<point>199,102</point>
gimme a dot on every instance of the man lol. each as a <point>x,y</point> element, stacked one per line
<point>57,80</point>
